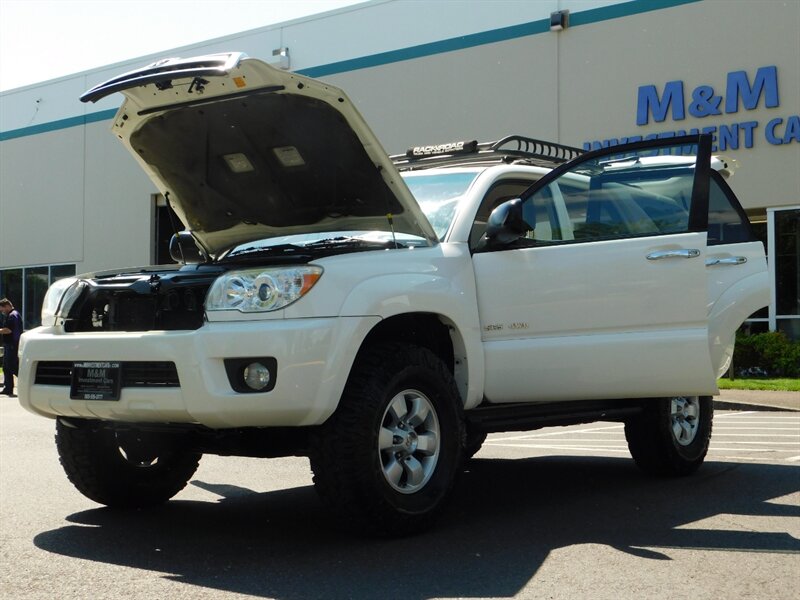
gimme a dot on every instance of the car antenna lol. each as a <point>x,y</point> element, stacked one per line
<point>171,215</point>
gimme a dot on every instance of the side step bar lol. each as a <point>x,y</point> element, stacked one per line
<point>524,417</point>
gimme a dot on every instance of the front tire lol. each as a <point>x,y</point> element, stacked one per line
<point>122,469</point>
<point>672,435</point>
<point>386,460</point>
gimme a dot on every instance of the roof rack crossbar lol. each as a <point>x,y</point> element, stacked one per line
<point>525,146</point>
<point>510,149</point>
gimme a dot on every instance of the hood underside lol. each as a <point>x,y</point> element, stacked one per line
<point>285,155</point>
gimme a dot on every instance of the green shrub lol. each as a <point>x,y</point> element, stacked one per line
<point>771,351</point>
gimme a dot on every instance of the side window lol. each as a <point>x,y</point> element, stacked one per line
<point>631,196</point>
<point>541,215</point>
<point>500,192</point>
<point>727,222</point>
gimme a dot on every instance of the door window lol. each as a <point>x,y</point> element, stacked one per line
<point>500,192</point>
<point>727,221</point>
<point>646,191</point>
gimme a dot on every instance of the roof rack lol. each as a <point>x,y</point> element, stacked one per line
<point>511,149</point>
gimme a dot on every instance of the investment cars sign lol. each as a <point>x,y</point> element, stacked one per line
<point>675,100</point>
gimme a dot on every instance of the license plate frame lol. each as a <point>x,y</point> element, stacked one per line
<point>96,380</point>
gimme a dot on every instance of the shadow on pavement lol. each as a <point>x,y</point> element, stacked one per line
<point>506,517</point>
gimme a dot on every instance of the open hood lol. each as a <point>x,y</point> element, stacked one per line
<point>244,151</point>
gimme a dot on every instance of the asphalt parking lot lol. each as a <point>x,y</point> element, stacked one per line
<point>554,513</point>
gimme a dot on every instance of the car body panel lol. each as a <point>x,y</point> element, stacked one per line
<point>738,286</point>
<point>610,324</point>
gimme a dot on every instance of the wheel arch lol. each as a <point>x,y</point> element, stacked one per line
<point>436,309</point>
<point>433,331</point>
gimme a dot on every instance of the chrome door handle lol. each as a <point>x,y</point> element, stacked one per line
<point>733,260</point>
<point>683,253</point>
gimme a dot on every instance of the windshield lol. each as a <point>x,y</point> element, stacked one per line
<point>438,195</point>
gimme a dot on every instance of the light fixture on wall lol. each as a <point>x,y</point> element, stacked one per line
<point>280,58</point>
<point>559,20</point>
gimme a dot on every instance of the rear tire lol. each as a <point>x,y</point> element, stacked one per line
<point>122,469</point>
<point>672,435</point>
<point>386,461</point>
<point>475,440</point>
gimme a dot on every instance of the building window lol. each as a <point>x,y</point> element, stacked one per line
<point>26,286</point>
<point>784,226</point>
<point>37,280</point>
<point>11,285</point>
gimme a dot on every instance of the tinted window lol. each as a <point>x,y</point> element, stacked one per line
<point>500,192</point>
<point>637,195</point>
<point>727,223</point>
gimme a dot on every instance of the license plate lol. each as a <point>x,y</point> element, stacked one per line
<point>95,381</point>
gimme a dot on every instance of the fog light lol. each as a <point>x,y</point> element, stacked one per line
<point>252,374</point>
<point>256,376</point>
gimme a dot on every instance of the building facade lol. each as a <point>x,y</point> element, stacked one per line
<point>586,73</point>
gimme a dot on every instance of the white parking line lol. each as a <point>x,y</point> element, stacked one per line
<point>712,449</point>
<point>764,443</point>
<point>759,435</point>
<point>772,418</point>
<point>622,449</point>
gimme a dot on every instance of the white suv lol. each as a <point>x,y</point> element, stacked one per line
<point>382,315</point>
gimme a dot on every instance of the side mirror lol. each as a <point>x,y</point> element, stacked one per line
<point>506,224</point>
<point>184,250</point>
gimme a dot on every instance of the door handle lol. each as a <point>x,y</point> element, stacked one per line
<point>683,253</point>
<point>733,260</point>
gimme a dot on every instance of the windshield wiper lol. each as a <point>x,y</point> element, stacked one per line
<point>277,250</point>
<point>343,242</point>
<point>305,252</point>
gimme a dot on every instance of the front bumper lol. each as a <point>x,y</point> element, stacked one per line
<point>313,358</point>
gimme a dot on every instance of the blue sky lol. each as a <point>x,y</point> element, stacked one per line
<point>47,39</point>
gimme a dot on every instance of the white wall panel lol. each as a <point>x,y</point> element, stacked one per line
<point>118,205</point>
<point>480,93</point>
<point>41,212</point>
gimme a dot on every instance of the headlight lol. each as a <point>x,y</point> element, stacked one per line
<point>261,290</point>
<point>52,299</point>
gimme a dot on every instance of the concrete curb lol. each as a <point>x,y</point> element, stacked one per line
<point>757,400</point>
<point>724,405</point>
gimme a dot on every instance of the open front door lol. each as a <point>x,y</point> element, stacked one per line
<point>605,295</point>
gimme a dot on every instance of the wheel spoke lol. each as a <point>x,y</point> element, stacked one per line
<point>676,406</point>
<point>426,443</point>
<point>398,408</point>
<point>393,471</point>
<point>415,474</point>
<point>687,432</point>
<point>692,410</point>
<point>419,411</point>
<point>386,439</point>
<point>677,429</point>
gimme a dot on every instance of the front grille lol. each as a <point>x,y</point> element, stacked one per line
<point>134,373</point>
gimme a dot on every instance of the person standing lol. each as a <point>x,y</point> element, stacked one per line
<point>11,331</point>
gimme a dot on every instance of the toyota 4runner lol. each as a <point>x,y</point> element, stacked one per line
<point>379,314</point>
